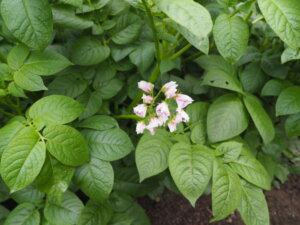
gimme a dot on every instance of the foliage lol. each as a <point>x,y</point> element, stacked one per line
<point>69,76</point>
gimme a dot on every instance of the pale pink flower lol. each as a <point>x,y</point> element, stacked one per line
<point>181,116</point>
<point>153,124</point>
<point>162,110</point>
<point>183,100</point>
<point>145,86</point>
<point>140,110</point>
<point>140,127</point>
<point>170,89</point>
<point>147,99</point>
<point>163,119</point>
<point>172,125</point>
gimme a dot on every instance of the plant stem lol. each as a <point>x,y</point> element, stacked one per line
<point>248,16</point>
<point>180,52</point>
<point>257,20</point>
<point>7,113</point>
<point>131,117</point>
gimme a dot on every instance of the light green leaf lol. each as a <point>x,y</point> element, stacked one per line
<point>120,219</point>
<point>253,207</point>
<point>76,3</point>
<point>97,123</point>
<point>288,101</point>
<point>226,191</point>
<point>275,86</point>
<point>89,51</point>
<point>17,56</point>
<point>66,212</point>
<point>45,63</point>
<point>289,55</point>
<point>292,125</point>
<point>66,144</point>
<point>191,169</point>
<point>231,34</point>
<point>29,81</point>
<point>29,194</point>
<point>231,150</point>
<point>15,90</point>
<point>151,154</point>
<point>91,6</point>
<point>95,213</point>
<point>22,160</point>
<point>55,109</point>
<point>30,21</point>
<point>143,56</point>
<point>283,16</point>
<point>189,14</point>
<point>252,171</point>
<point>109,145</point>
<point>218,78</point>
<point>260,118</point>
<point>226,118</point>
<point>95,178</point>
<point>23,214</point>
<point>6,73</point>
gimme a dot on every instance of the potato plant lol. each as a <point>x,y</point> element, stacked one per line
<point>103,101</point>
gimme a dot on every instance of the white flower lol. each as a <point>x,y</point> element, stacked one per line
<point>162,110</point>
<point>163,120</point>
<point>145,86</point>
<point>172,125</point>
<point>170,89</point>
<point>181,116</point>
<point>147,99</point>
<point>140,110</point>
<point>140,127</point>
<point>183,100</point>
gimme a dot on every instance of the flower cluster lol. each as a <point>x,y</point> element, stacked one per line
<point>168,112</point>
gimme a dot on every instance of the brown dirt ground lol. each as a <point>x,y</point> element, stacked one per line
<point>173,209</point>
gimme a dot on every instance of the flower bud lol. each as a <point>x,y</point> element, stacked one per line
<point>170,89</point>
<point>172,125</point>
<point>140,110</point>
<point>145,86</point>
<point>140,127</point>
<point>147,99</point>
<point>183,100</point>
<point>181,116</point>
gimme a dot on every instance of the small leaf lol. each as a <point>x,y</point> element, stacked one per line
<point>143,56</point>
<point>292,125</point>
<point>29,81</point>
<point>215,63</point>
<point>25,213</point>
<point>66,144</point>
<point>97,123</point>
<point>289,55</point>
<point>231,150</point>
<point>17,56</point>
<point>274,87</point>
<point>92,102</point>
<point>29,194</point>
<point>288,101</point>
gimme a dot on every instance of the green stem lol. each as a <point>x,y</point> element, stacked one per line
<point>7,113</point>
<point>234,12</point>
<point>257,20</point>
<point>180,52</point>
<point>248,16</point>
<point>131,117</point>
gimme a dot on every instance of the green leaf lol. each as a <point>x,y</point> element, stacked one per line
<point>271,65</point>
<point>109,145</point>
<point>260,118</point>
<point>66,144</point>
<point>120,219</point>
<point>292,125</point>
<point>54,178</point>
<point>252,171</point>
<point>231,34</point>
<point>30,21</point>
<point>45,63</point>
<point>92,102</point>
<point>76,3</point>
<point>29,81</point>
<point>253,207</point>
<point>22,160</point>
<point>4,193</point>
<point>143,56</point>
<point>231,150</point>
<point>55,109</point>
<point>283,16</point>
<point>95,178</point>
<point>226,191</point>
<point>109,88</point>
<point>97,123</point>
<point>3,214</point>
<point>274,87</point>
<point>288,101</point>
<point>221,79</point>
<point>89,51</point>
<point>6,73</point>
<point>29,194</point>
<point>23,214</point>
<point>226,118</point>
<point>127,29</point>
<point>66,212</point>
<point>191,169</point>
<point>289,55</point>
<point>189,14</point>
<point>15,90</point>
<point>151,154</point>
<point>17,56</point>
<point>95,213</point>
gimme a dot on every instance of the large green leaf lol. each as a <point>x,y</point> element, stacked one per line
<point>231,35</point>
<point>284,18</point>
<point>95,178</point>
<point>29,20</point>
<point>66,144</point>
<point>216,63</point>
<point>251,170</point>
<point>189,14</point>
<point>226,191</point>
<point>143,56</point>
<point>260,118</point>
<point>288,101</point>
<point>95,213</point>
<point>89,51</point>
<point>29,81</point>
<point>54,109</point>
<point>22,160</point>
<point>23,214</point>
<point>30,194</point>
<point>191,169</point>
<point>45,62</point>
<point>226,118</point>
<point>109,145</point>
<point>66,212</point>
<point>151,154</point>
<point>253,207</point>
<point>92,102</point>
